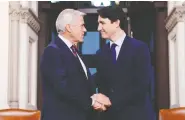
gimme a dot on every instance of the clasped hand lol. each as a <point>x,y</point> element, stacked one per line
<point>101,102</point>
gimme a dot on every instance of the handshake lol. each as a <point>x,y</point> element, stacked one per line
<point>100,102</point>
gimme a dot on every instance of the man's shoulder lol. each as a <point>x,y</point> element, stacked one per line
<point>135,42</point>
<point>51,47</point>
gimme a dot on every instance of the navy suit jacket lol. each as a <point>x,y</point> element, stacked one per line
<point>126,83</point>
<point>66,90</point>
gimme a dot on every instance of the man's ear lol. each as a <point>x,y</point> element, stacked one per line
<point>117,22</point>
<point>68,28</point>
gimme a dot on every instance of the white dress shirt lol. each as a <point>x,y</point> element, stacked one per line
<point>69,44</point>
<point>119,43</point>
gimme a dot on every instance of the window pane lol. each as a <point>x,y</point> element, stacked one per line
<point>91,43</point>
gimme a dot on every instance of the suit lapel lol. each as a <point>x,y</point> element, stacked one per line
<point>63,47</point>
<point>87,68</point>
<point>68,52</point>
<point>123,52</point>
<point>107,53</point>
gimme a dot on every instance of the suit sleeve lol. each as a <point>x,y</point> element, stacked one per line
<point>137,90</point>
<point>53,68</point>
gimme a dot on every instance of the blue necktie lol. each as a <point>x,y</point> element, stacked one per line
<point>113,51</point>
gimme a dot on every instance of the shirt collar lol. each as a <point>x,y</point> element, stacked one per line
<point>66,41</point>
<point>119,41</point>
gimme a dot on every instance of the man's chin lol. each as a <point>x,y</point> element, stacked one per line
<point>81,41</point>
<point>104,37</point>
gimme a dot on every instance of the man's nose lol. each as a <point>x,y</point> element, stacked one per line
<point>99,27</point>
<point>85,30</point>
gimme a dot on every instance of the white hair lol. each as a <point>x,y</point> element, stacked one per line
<point>67,16</point>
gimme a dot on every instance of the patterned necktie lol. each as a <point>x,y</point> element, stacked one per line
<point>74,50</point>
<point>113,51</point>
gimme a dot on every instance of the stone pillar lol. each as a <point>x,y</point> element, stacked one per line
<point>19,30</point>
<point>175,25</point>
<point>24,27</point>
<point>172,70</point>
<point>181,59</point>
<point>23,66</point>
<point>4,54</point>
<point>33,77</point>
<point>23,59</point>
<point>29,27</point>
<point>14,55</point>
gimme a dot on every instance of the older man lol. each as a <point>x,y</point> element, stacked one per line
<point>67,87</point>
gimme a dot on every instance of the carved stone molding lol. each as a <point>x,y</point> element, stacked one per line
<point>31,40</point>
<point>25,15</point>
<point>177,15</point>
<point>14,14</point>
<point>172,35</point>
<point>14,10</point>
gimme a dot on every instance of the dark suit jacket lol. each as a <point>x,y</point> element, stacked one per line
<point>66,90</point>
<point>126,83</point>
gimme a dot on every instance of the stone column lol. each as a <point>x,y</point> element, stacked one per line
<point>23,65</point>
<point>33,77</point>
<point>173,69</point>
<point>181,59</point>
<point>175,25</point>
<point>19,30</point>
<point>29,27</point>
<point>4,54</point>
<point>14,55</point>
